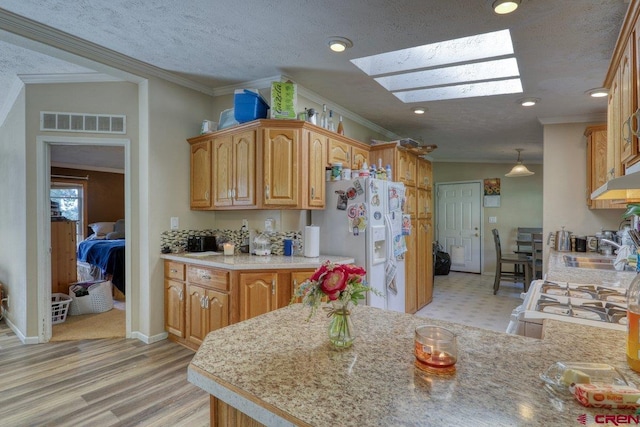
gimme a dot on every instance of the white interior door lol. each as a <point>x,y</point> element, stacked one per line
<point>459,223</point>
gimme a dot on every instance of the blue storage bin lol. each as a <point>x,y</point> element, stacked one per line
<point>248,106</point>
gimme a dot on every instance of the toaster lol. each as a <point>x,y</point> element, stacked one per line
<point>201,243</point>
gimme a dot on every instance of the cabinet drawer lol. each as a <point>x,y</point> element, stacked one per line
<point>174,270</point>
<point>210,277</point>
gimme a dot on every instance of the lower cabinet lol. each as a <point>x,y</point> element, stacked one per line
<point>207,310</point>
<point>258,293</point>
<point>200,299</point>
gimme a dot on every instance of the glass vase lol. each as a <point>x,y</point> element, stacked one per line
<point>341,332</point>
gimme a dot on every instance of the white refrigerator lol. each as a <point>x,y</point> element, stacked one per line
<point>363,219</point>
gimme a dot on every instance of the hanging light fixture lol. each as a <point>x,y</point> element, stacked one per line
<point>519,169</point>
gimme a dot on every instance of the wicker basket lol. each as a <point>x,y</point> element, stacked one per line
<point>59,307</point>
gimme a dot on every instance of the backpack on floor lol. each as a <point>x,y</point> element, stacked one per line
<point>441,261</point>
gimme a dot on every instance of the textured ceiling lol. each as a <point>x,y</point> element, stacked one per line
<point>563,49</point>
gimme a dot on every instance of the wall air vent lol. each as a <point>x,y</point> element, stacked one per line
<point>79,122</point>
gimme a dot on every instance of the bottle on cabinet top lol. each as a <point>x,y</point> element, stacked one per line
<point>340,127</point>
<point>323,117</point>
<point>330,125</point>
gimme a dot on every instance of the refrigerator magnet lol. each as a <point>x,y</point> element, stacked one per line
<point>406,225</point>
<point>342,200</point>
<point>358,187</point>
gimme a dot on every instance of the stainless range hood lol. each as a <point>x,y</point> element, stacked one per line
<point>622,188</point>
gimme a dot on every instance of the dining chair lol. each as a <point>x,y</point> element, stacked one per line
<point>536,256</point>
<point>520,266</point>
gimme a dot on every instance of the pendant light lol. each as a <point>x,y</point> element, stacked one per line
<point>519,169</point>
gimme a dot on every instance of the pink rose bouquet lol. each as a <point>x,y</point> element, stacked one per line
<point>335,282</point>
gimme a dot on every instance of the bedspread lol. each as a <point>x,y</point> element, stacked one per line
<point>108,255</point>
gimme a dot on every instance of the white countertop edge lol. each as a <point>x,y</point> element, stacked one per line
<point>255,262</point>
<point>244,405</point>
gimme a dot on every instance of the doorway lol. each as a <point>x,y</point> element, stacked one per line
<point>459,223</point>
<point>44,145</point>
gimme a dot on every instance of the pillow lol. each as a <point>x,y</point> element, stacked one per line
<point>114,235</point>
<point>95,237</point>
<point>102,228</point>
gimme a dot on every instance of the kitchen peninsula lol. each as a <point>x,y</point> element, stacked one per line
<point>279,370</point>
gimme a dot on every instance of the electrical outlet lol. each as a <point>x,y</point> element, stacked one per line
<point>175,223</point>
<point>493,220</point>
<point>245,223</point>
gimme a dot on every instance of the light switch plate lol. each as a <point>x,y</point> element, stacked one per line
<point>493,220</point>
<point>175,223</point>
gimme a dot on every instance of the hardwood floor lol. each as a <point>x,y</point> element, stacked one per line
<point>105,382</point>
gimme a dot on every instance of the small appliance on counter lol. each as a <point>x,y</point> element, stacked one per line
<point>201,244</point>
<point>262,244</point>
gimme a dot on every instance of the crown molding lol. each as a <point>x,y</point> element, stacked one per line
<point>53,38</point>
<point>68,78</point>
<point>587,118</point>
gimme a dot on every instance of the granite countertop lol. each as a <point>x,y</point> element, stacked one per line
<point>558,271</point>
<point>280,370</point>
<point>254,262</point>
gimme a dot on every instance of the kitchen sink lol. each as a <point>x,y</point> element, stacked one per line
<point>598,263</point>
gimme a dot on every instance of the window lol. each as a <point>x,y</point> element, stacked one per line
<point>69,194</point>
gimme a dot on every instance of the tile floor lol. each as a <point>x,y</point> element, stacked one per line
<point>468,299</point>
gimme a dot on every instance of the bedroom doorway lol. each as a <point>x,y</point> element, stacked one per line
<point>49,149</point>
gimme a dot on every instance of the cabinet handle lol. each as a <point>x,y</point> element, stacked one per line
<point>273,286</point>
<point>206,303</point>
<point>348,157</point>
<point>266,191</point>
<point>313,192</point>
<point>202,302</point>
<point>206,277</point>
<point>181,295</point>
<point>233,193</point>
<point>229,193</point>
<point>173,270</point>
<point>206,195</point>
<point>626,126</point>
<point>295,283</point>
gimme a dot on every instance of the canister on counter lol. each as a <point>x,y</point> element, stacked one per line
<point>336,171</point>
<point>346,173</point>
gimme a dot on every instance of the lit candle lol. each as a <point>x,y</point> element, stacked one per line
<point>228,248</point>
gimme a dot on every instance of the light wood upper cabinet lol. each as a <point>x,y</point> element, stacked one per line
<point>349,155</point>
<point>406,168</point>
<point>201,174</point>
<point>597,166</point>
<point>258,293</point>
<point>316,159</point>
<point>628,140</point>
<point>281,167</point>
<point>234,170</point>
<point>267,164</point>
<point>424,174</point>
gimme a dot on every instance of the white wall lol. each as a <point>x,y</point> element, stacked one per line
<point>565,184</point>
<point>521,202</point>
<point>15,231</point>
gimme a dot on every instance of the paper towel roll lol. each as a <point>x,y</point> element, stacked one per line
<point>312,241</point>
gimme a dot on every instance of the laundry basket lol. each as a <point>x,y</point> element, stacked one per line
<point>90,297</point>
<point>59,307</point>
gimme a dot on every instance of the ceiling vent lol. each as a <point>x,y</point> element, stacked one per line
<point>78,122</point>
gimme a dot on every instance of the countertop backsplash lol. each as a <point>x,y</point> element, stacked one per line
<point>175,241</point>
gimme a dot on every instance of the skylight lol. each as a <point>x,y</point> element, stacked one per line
<point>480,65</point>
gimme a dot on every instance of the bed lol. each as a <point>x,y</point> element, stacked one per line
<point>102,255</point>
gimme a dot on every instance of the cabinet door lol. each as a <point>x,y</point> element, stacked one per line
<point>406,167</point>
<point>425,281</point>
<point>281,163</point>
<point>424,174</point>
<point>628,141</point>
<point>196,314</point>
<point>424,203</point>
<point>174,308</point>
<point>201,174</point>
<point>358,157</point>
<point>63,256</point>
<point>257,293</point>
<point>410,268</point>
<point>297,278</point>
<point>243,191</point>
<point>316,166</point>
<point>411,206</point>
<point>216,309</point>
<point>222,171</point>
<point>339,152</point>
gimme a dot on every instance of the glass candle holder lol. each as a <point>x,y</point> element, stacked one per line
<point>228,248</point>
<point>435,348</point>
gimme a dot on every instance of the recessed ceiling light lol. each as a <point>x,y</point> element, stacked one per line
<point>339,44</point>
<point>528,102</point>
<point>419,110</point>
<point>598,92</point>
<point>503,7</point>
